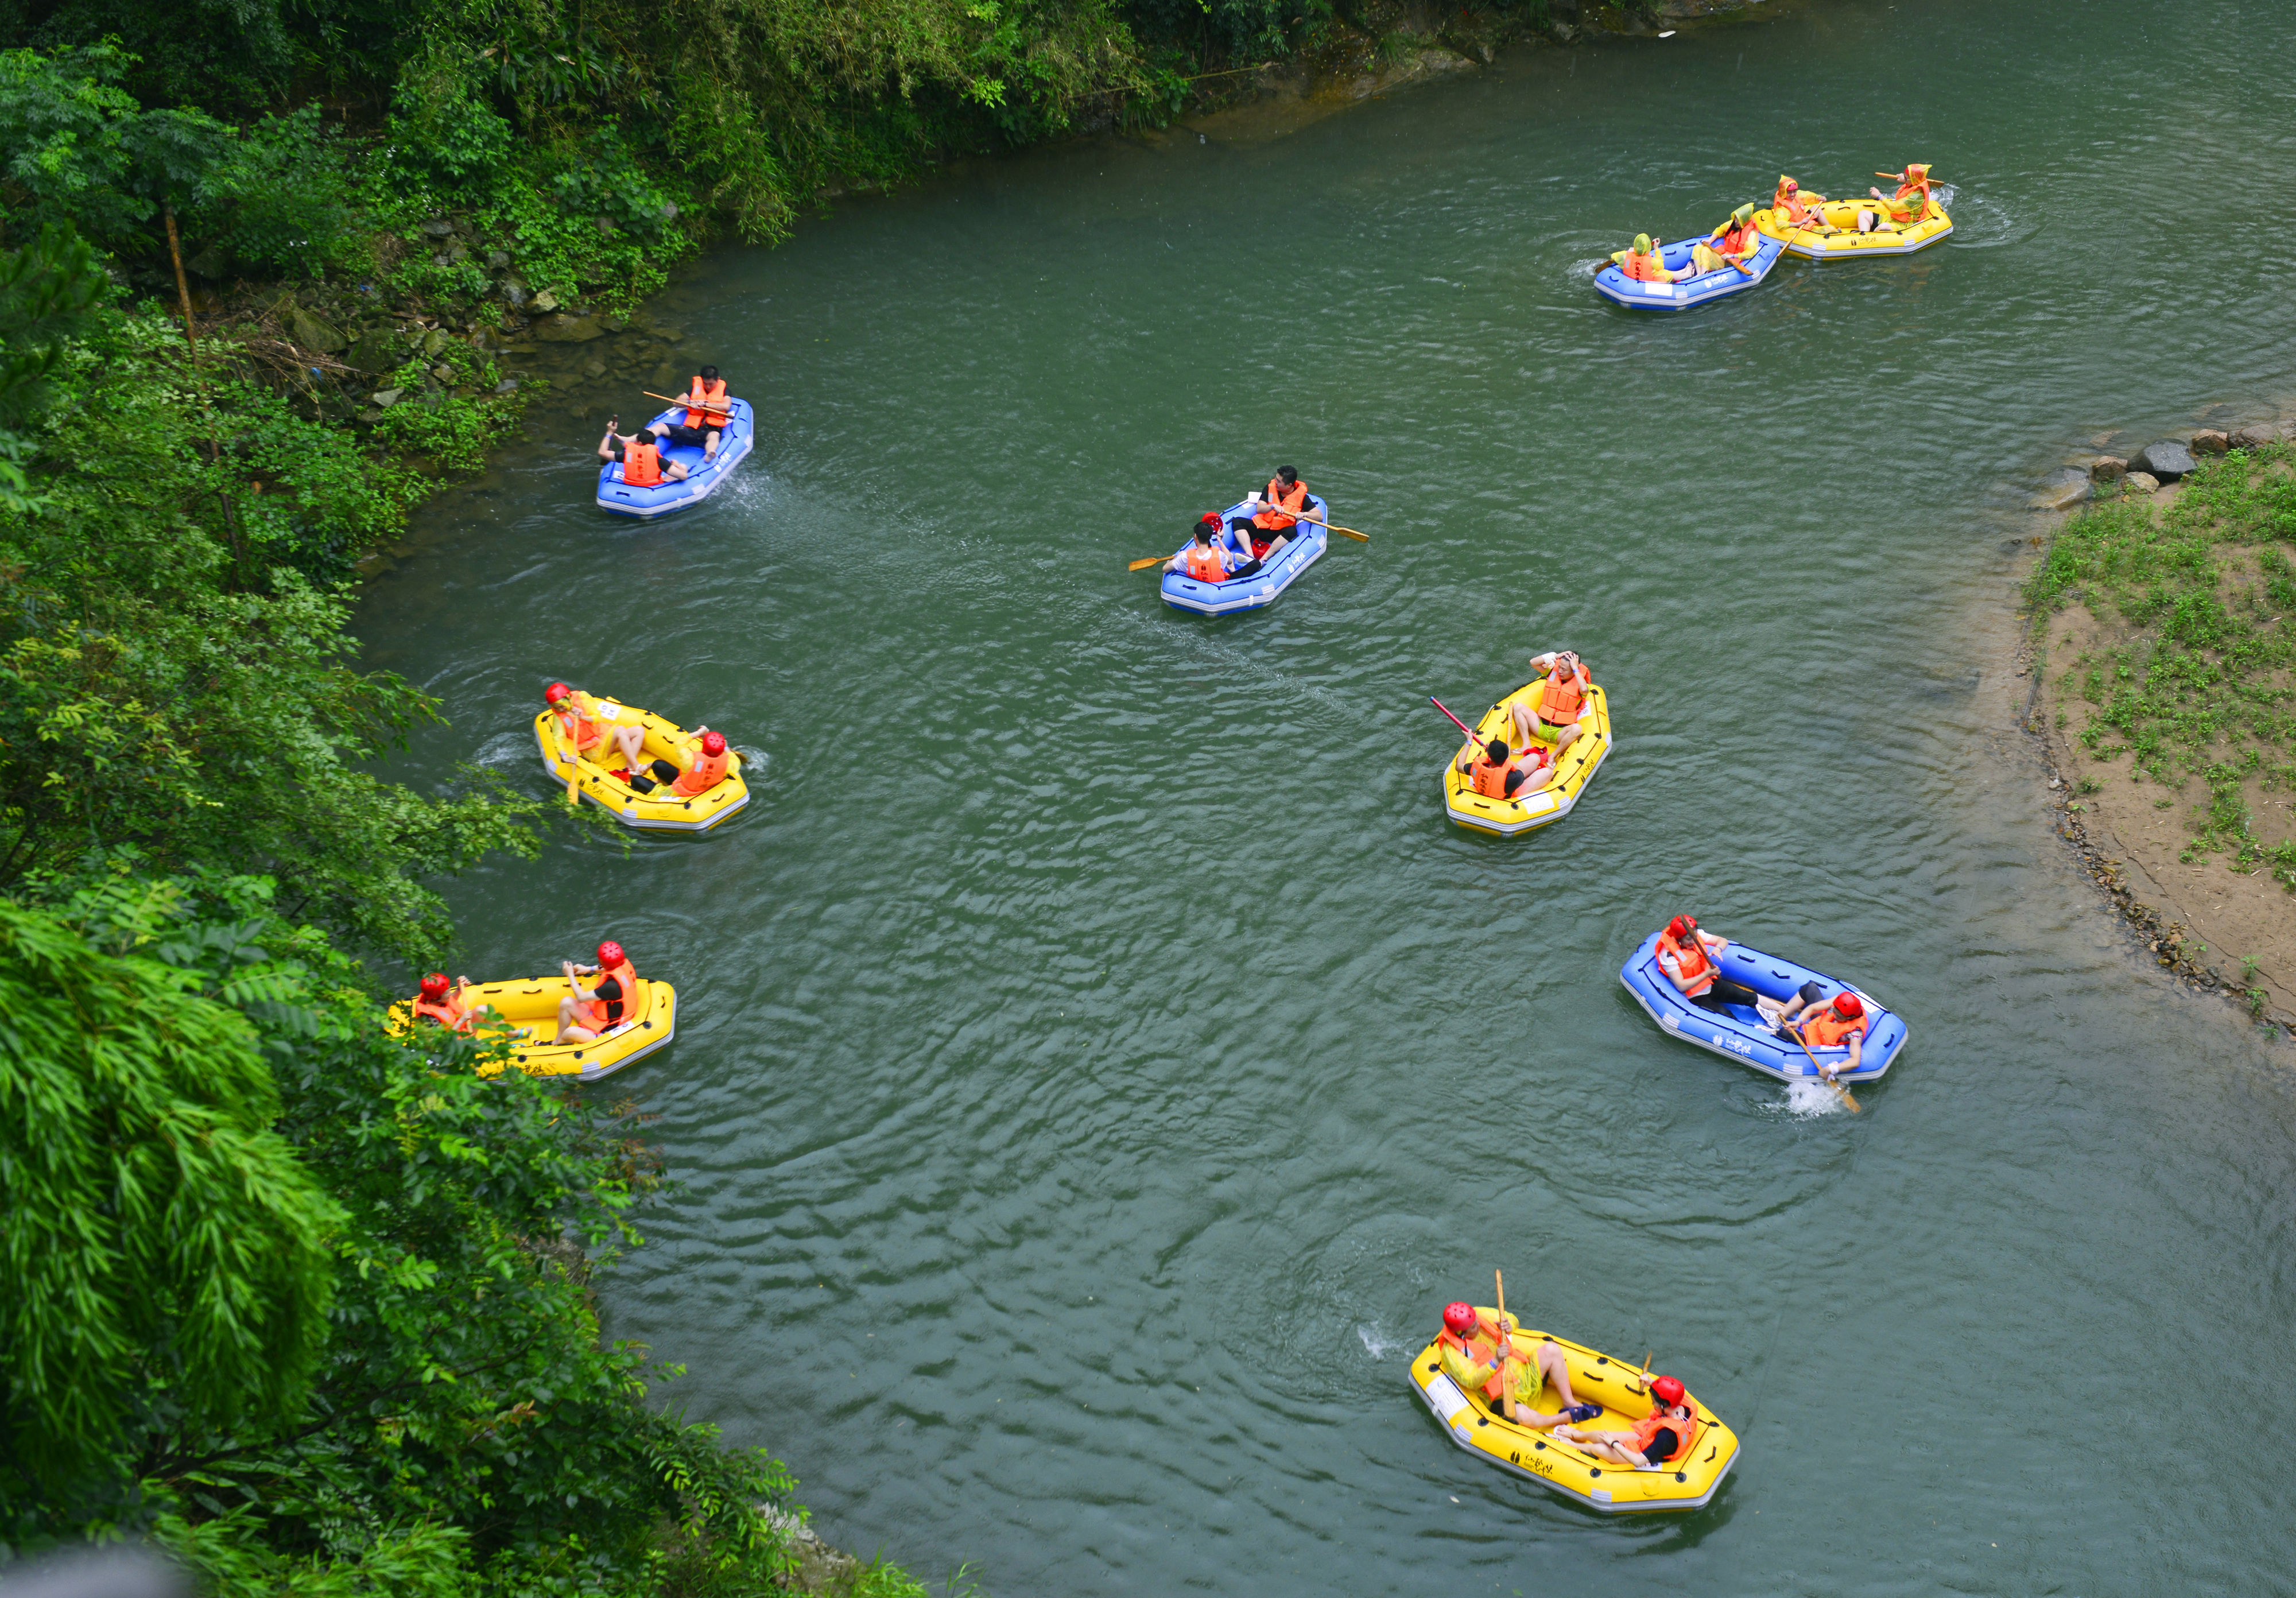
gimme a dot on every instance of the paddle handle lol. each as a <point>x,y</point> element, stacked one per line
<point>1456,722</point>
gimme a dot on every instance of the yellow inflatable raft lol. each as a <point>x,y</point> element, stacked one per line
<point>1549,1461</point>
<point>527,1008</point>
<point>661,810</point>
<point>1572,772</point>
<point>1838,239</point>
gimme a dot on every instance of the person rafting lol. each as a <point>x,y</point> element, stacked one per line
<point>1687,957</point>
<point>640,454</point>
<point>1793,205</point>
<point>442,1003</point>
<point>1817,1023</point>
<point>1496,771</point>
<point>704,768</point>
<point>1901,209</point>
<point>1733,242</point>
<point>1668,1432</point>
<point>584,730</point>
<point>1472,1358</point>
<point>1201,559</point>
<point>1643,262</point>
<point>588,1013</point>
<point>1268,528</point>
<point>1553,720</point>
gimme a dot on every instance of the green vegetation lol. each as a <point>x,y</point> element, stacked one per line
<point>2192,676</point>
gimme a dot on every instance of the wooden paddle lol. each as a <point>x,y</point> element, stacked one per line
<point>1318,522</point>
<point>688,404</point>
<point>1151,560</point>
<point>1830,1082</point>
<point>1506,1342</point>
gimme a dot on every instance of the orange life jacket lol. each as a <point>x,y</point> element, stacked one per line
<point>1691,960</point>
<point>705,406</point>
<point>611,1013</point>
<point>1477,1353</point>
<point>575,722</point>
<point>1788,204</point>
<point>641,465</point>
<point>1649,1425</point>
<point>1274,519</point>
<point>1739,240</point>
<point>1827,1029</point>
<point>448,1012</point>
<point>1202,562</point>
<point>1646,269</point>
<point>1559,702</point>
<point>1491,781</point>
<point>708,772</point>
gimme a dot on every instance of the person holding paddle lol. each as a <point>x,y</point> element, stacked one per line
<point>1793,205</point>
<point>1203,560</point>
<point>1730,246</point>
<point>1268,529</point>
<point>1495,772</point>
<point>1509,1380</point>
<point>1817,1024</point>
<point>1686,958</point>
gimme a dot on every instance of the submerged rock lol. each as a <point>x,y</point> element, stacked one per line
<point>2066,485</point>
<point>2166,460</point>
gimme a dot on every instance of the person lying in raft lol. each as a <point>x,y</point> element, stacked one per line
<point>1817,1024</point>
<point>583,729</point>
<point>1554,720</point>
<point>1687,955</point>
<point>1269,528</point>
<point>1472,1358</point>
<point>640,455</point>
<point>1668,1432</point>
<point>1495,772</point>
<point>1642,263</point>
<point>1793,206</point>
<point>1734,240</point>
<point>441,1003</point>
<point>1203,561</point>
<point>705,762</point>
<point>590,1014</point>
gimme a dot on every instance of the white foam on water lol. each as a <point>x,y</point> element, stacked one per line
<point>1807,1098</point>
<point>1375,1343</point>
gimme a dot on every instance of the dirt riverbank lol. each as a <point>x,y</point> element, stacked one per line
<point>2161,652</point>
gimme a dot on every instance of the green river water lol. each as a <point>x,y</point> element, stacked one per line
<point>1101,1060</point>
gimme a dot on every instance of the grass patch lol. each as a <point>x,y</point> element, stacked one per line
<point>2192,678</point>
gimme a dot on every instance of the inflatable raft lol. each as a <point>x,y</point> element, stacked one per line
<point>1554,1463</point>
<point>528,1008</point>
<point>625,499</point>
<point>1838,239</point>
<point>1740,1034</point>
<point>661,810</point>
<point>1636,295</point>
<point>1262,588</point>
<point>1573,770</point>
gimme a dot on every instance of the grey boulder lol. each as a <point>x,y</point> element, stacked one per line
<point>2066,485</point>
<point>312,334</point>
<point>2257,437</point>
<point>2166,460</point>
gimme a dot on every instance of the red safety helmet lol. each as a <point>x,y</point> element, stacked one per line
<point>1459,1319</point>
<point>1681,927</point>
<point>609,954</point>
<point>554,692</point>
<point>434,985</point>
<point>713,743</point>
<point>1668,1391</point>
<point>1846,1006</point>
<point>1209,518</point>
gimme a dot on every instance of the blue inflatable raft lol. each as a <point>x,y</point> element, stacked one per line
<point>1679,296</point>
<point>1261,589</point>
<point>733,442</point>
<point>1740,1034</point>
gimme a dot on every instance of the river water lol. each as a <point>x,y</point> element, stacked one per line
<point>1101,1060</point>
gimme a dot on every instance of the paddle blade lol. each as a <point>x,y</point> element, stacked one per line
<point>1151,560</point>
<point>1351,532</point>
<point>1855,1108</point>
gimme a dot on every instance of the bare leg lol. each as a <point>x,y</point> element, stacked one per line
<point>569,1030</point>
<point>631,740</point>
<point>1520,714</point>
<point>1563,739</point>
<point>1557,1368</point>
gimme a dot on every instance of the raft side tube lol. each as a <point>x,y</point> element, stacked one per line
<point>1736,1035</point>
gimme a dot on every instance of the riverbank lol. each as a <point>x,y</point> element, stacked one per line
<point>2163,618</point>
